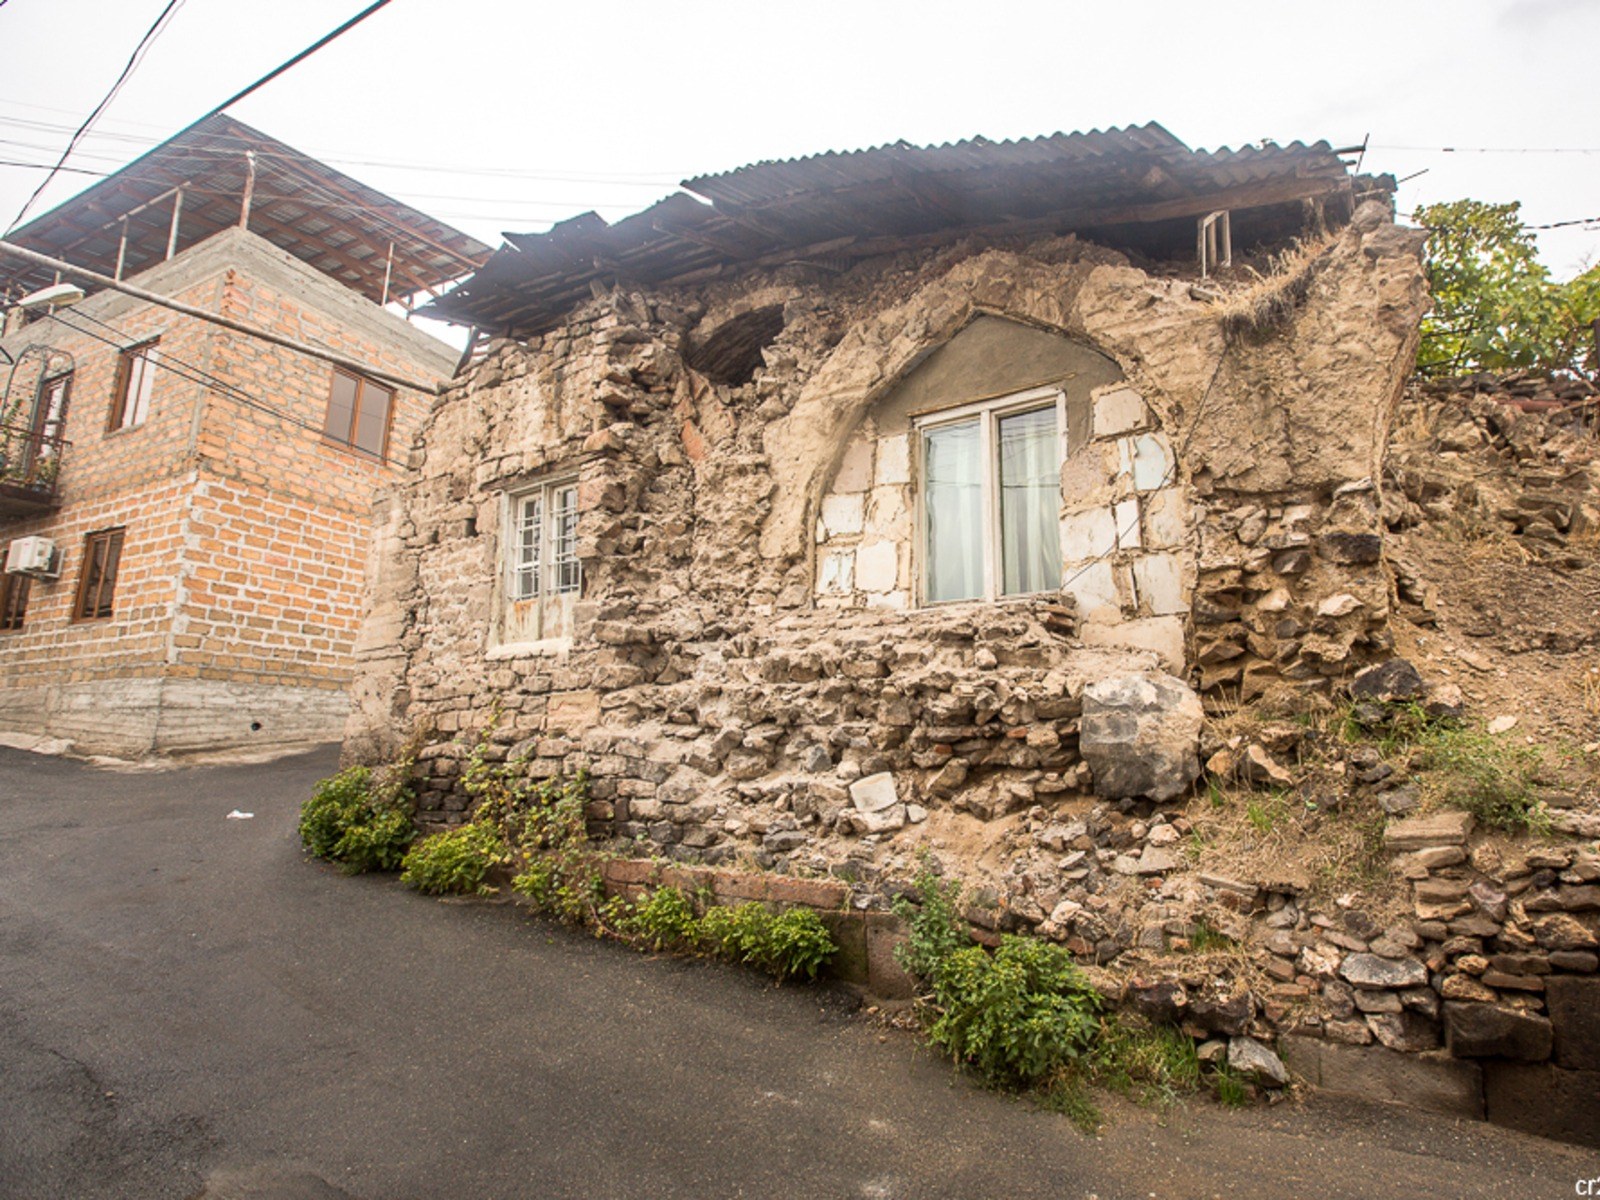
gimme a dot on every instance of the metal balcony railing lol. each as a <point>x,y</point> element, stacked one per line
<point>30,463</point>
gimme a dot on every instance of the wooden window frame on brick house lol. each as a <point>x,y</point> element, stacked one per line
<point>136,370</point>
<point>97,577</point>
<point>541,578</point>
<point>342,428</point>
<point>986,415</point>
<point>13,600</point>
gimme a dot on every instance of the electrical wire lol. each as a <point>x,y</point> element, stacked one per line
<point>149,37</point>
<point>197,375</point>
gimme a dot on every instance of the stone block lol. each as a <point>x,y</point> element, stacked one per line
<point>1094,587</point>
<point>836,573</point>
<point>1151,464</point>
<point>1490,1031</point>
<point>878,567</point>
<point>1139,734</point>
<point>1119,411</point>
<point>893,460</point>
<point>1126,515</point>
<point>1088,534</point>
<point>1432,1082</point>
<point>1574,1006</point>
<point>1162,636</point>
<point>885,976</point>
<point>855,469</point>
<point>849,932</point>
<point>572,712</point>
<point>1545,1100</point>
<point>843,515</point>
<point>1159,579</point>
<point>1419,833</point>
<point>1165,524</point>
<point>888,514</point>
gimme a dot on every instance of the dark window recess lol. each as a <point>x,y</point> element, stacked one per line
<point>731,355</point>
<point>13,601</point>
<point>358,414</point>
<point>97,585</point>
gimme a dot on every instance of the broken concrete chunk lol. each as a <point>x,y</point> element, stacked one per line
<point>1391,682</point>
<point>874,793</point>
<point>1139,734</point>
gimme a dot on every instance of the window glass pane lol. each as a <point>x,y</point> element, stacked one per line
<point>952,467</point>
<point>525,564</point>
<point>141,376</point>
<point>341,407</point>
<point>564,539</point>
<point>1030,490</point>
<point>374,419</point>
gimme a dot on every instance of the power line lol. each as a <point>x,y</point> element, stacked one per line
<point>1493,149</point>
<point>285,65</point>
<point>133,61</point>
<point>164,360</point>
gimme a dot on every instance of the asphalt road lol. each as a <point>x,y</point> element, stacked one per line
<point>189,1007</point>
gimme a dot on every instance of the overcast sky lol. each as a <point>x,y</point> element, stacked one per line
<point>509,115</point>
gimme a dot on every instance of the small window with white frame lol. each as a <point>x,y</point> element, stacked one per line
<point>989,498</point>
<point>543,577</point>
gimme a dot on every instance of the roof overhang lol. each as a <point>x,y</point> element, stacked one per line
<point>843,206</point>
<point>196,184</point>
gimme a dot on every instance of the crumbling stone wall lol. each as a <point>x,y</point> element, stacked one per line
<point>731,695</point>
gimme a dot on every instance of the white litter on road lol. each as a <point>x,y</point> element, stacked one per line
<point>236,815</point>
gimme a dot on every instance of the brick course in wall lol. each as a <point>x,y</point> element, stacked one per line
<point>238,593</point>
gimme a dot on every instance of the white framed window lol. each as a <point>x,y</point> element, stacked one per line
<point>542,575</point>
<point>989,498</point>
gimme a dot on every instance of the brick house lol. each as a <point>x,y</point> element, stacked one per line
<point>203,495</point>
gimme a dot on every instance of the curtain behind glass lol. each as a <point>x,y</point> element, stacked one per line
<point>952,463</point>
<point>1030,490</point>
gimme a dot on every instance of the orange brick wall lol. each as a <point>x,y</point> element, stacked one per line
<point>246,534</point>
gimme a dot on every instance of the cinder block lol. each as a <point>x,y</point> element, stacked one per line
<point>1428,1081</point>
<point>1574,1006</point>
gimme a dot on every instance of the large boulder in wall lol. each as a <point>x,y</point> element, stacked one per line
<point>1140,735</point>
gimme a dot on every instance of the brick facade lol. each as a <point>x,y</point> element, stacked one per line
<point>238,592</point>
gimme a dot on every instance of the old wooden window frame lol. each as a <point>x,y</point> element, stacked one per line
<point>346,436</point>
<point>987,414</point>
<point>136,370</point>
<point>97,578</point>
<point>539,556</point>
<point>13,600</point>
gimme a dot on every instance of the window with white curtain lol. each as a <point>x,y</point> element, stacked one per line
<point>990,498</point>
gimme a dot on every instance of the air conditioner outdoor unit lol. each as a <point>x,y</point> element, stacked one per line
<point>33,556</point>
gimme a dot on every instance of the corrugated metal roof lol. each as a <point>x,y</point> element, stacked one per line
<point>853,203</point>
<point>335,223</point>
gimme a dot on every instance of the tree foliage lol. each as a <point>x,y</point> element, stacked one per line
<point>1495,307</point>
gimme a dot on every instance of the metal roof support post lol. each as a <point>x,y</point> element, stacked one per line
<point>388,268</point>
<point>177,211</point>
<point>122,249</point>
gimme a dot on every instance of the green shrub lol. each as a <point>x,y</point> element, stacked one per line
<point>935,926</point>
<point>360,821</point>
<point>457,861</point>
<point>663,920</point>
<point>793,942</point>
<point>1150,1064</point>
<point>1016,1017</point>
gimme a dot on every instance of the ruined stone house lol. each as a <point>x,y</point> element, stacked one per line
<point>802,515</point>
<point>184,507</point>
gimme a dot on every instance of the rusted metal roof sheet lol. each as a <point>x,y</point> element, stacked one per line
<point>854,203</point>
<point>335,223</point>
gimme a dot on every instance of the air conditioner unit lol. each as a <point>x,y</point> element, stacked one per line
<point>33,556</point>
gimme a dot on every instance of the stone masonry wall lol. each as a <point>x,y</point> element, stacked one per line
<point>724,709</point>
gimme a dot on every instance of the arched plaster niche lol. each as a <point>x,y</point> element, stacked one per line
<point>1122,530</point>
